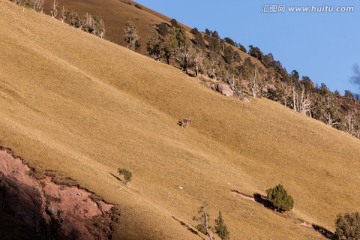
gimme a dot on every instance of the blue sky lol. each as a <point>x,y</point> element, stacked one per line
<point>323,46</point>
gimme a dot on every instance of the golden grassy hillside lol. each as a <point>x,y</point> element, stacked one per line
<point>84,107</point>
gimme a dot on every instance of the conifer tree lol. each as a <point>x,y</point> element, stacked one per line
<point>170,46</point>
<point>280,199</point>
<point>221,229</point>
<point>153,45</point>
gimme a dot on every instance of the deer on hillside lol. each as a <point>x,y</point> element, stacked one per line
<point>184,123</point>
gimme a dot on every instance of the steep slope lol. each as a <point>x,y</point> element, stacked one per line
<point>115,14</point>
<point>82,106</point>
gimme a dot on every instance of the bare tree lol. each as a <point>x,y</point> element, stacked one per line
<point>203,219</point>
<point>302,103</point>
<point>88,23</point>
<point>212,65</point>
<point>63,14</point>
<point>198,63</point>
<point>286,92</point>
<point>131,35</point>
<point>294,100</point>
<point>185,57</point>
<point>305,104</point>
<point>254,83</point>
<point>54,10</point>
<point>350,122</point>
<point>234,85</point>
<point>330,121</point>
<point>101,28</point>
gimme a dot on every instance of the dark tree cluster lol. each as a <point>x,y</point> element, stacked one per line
<point>170,42</point>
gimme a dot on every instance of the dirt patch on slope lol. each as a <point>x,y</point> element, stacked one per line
<point>43,209</point>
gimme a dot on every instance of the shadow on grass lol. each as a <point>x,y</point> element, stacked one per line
<point>263,201</point>
<point>189,228</point>
<point>116,177</point>
<point>323,231</point>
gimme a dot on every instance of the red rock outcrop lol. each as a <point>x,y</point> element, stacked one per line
<point>45,210</point>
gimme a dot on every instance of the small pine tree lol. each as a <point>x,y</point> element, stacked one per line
<point>126,173</point>
<point>230,41</point>
<point>229,54</point>
<point>242,48</point>
<point>171,45</point>
<point>198,38</point>
<point>348,226</point>
<point>221,229</point>
<point>280,199</point>
<point>153,45</point>
<point>174,23</point>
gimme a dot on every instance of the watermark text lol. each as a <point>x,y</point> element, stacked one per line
<point>281,8</point>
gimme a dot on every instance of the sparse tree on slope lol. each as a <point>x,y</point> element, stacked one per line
<point>170,46</point>
<point>301,102</point>
<point>280,199</point>
<point>255,83</point>
<point>221,228</point>
<point>23,3</point>
<point>153,45</point>
<point>198,63</point>
<point>198,38</point>
<point>131,36</point>
<point>100,27</point>
<point>38,5</point>
<point>75,20</point>
<point>184,51</point>
<point>203,220</point>
<point>348,226</point>
<point>54,10</point>
<point>63,14</point>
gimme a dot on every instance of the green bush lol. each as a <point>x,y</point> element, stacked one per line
<point>126,173</point>
<point>348,226</point>
<point>280,199</point>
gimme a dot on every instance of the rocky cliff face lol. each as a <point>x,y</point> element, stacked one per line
<point>41,209</point>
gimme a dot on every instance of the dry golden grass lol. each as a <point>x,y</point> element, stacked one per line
<point>84,107</point>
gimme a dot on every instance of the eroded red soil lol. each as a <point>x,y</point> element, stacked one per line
<point>49,210</point>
